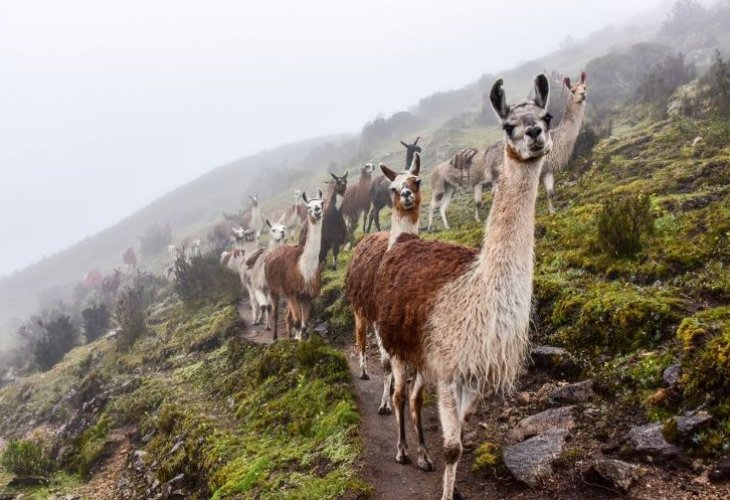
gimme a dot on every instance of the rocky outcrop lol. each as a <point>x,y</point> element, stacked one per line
<point>615,474</point>
<point>573,393</point>
<point>647,441</point>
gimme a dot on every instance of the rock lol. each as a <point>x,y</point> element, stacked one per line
<point>531,460</point>
<point>648,441</point>
<point>522,398</point>
<point>720,471</point>
<point>558,418</point>
<point>573,393</point>
<point>123,483</point>
<point>554,360</point>
<point>615,473</point>
<point>657,398</point>
<point>671,375</point>
<point>688,425</point>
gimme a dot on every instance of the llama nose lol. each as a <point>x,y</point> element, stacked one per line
<point>533,132</point>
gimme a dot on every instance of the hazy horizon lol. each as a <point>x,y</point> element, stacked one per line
<point>107,106</point>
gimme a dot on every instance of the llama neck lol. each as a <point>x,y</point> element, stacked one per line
<point>338,200</point>
<point>275,243</point>
<point>567,132</point>
<point>309,260</point>
<point>403,222</point>
<point>255,215</point>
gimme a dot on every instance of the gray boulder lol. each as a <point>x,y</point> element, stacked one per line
<point>615,473</point>
<point>573,393</point>
<point>554,418</point>
<point>531,460</point>
<point>648,441</point>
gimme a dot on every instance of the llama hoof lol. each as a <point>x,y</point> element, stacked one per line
<point>457,495</point>
<point>403,459</point>
<point>364,376</point>
<point>384,410</point>
<point>268,328</point>
<point>425,464</point>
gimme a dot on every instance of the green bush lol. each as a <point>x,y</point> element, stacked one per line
<point>622,222</point>
<point>200,280</point>
<point>131,311</point>
<point>58,336</point>
<point>95,321</point>
<point>26,458</point>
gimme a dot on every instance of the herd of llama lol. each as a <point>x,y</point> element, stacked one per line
<point>447,316</point>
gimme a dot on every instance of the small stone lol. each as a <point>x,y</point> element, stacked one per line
<point>573,393</point>
<point>522,398</point>
<point>615,473</point>
<point>531,460</point>
<point>648,441</point>
<point>720,471</point>
<point>123,483</point>
<point>554,360</point>
<point>671,375</point>
<point>558,418</point>
<point>177,446</point>
<point>688,425</point>
<point>657,397</point>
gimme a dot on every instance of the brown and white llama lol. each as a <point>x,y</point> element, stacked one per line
<point>256,274</point>
<point>487,164</point>
<point>459,316</point>
<point>293,271</point>
<point>366,258</point>
<point>357,201</point>
<point>334,228</point>
<point>245,243</point>
<point>296,214</point>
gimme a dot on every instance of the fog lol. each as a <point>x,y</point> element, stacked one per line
<point>106,105</point>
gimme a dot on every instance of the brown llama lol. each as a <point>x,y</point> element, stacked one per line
<point>334,229</point>
<point>460,317</point>
<point>293,271</point>
<point>362,269</point>
<point>357,201</point>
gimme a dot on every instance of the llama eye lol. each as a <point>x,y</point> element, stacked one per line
<point>395,190</point>
<point>509,128</point>
<point>548,118</point>
<point>418,182</point>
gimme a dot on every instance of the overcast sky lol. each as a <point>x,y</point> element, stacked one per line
<point>107,104</point>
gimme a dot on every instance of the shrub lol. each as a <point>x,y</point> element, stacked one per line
<point>202,280</point>
<point>131,311</point>
<point>622,222</point>
<point>57,336</point>
<point>714,87</point>
<point>26,458</point>
<point>95,321</point>
<point>155,240</point>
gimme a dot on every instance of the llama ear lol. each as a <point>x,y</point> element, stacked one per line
<point>388,172</point>
<point>346,172</point>
<point>282,218</point>
<point>333,176</point>
<point>319,193</point>
<point>542,90</point>
<point>305,197</point>
<point>268,222</point>
<point>498,99</point>
<point>582,77</point>
<point>566,82</point>
<point>415,164</point>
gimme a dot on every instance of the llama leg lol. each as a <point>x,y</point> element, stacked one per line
<point>377,219</point>
<point>335,253</point>
<point>477,200</point>
<point>445,201</point>
<point>275,304</point>
<point>385,408</point>
<point>292,319</point>
<point>399,402</point>
<point>415,404</point>
<point>549,182</point>
<point>306,308</point>
<point>449,414</point>
<point>361,339</point>
<point>370,219</point>
<point>435,199</point>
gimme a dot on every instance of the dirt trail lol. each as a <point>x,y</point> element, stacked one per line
<point>104,482</point>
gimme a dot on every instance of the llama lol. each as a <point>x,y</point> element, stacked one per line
<point>254,220</point>
<point>460,316</point>
<point>486,165</point>
<point>380,198</point>
<point>245,243</point>
<point>256,275</point>
<point>296,214</point>
<point>361,271</point>
<point>334,229</point>
<point>294,272</point>
<point>357,201</point>
<point>411,150</point>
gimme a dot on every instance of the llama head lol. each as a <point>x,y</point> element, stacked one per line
<point>254,200</point>
<point>340,185</point>
<point>297,196</point>
<point>577,90</point>
<point>315,206</point>
<point>238,233</point>
<point>367,169</point>
<point>526,125</point>
<point>277,231</point>
<point>405,186</point>
<point>249,235</point>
